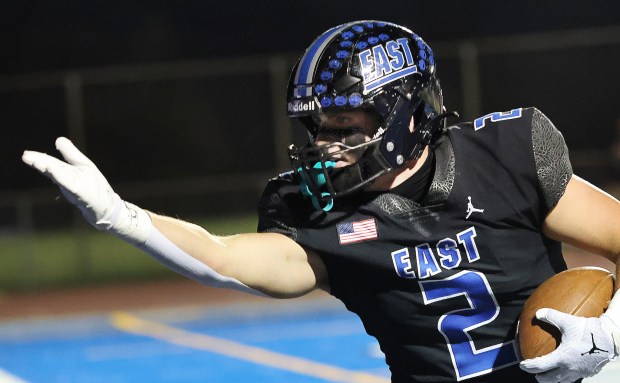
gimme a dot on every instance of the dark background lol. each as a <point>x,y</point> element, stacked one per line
<point>59,35</point>
<point>165,130</point>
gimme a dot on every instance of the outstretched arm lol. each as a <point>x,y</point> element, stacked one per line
<point>268,262</point>
<point>264,264</point>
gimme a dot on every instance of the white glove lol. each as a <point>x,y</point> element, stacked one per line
<point>83,185</point>
<point>587,345</point>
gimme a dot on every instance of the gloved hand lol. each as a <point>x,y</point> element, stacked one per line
<point>587,345</point>
<point>83,185</point>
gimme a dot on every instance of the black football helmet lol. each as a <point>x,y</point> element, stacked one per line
<point>375,66</point>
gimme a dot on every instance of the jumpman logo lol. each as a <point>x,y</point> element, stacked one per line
<point>471,209</point>
<point>594,349</point>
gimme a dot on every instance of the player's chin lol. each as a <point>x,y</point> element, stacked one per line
<point>342,163</point>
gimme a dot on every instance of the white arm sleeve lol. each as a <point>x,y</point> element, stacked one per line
<point>173,257</point>
<point>134,225</point>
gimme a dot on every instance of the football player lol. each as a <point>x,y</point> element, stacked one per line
<point>434,235</point>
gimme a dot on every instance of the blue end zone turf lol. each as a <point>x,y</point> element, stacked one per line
<point>270,342</point>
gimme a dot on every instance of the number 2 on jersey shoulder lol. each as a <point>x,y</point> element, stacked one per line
<point>480,122</point>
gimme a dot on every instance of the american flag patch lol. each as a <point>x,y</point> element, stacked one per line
<point>353,232</point>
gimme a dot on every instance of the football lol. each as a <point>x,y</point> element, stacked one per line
<point>581,291</point>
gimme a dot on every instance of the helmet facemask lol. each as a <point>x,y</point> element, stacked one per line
<point>321,179</point>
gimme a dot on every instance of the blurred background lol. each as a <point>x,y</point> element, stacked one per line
<point>181,104</point>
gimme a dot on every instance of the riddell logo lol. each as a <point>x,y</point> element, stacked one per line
<point>301,106</point>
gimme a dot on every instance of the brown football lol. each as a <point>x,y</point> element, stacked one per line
<point>581,291</point>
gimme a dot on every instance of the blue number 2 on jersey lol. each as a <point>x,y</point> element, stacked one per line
<point>468,361</point>
<point>480,122</point>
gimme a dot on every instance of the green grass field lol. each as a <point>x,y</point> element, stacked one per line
<point>70,257</point>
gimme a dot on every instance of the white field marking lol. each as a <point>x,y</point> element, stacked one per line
<point>5,377</point>
<point>134,325</point>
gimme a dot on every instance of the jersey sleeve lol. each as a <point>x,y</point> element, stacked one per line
<point>274,215</point>
<point>553,165</point>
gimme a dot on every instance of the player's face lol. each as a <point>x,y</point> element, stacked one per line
<point>345,130</point>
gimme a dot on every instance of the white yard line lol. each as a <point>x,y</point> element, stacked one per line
<point>5,377</point>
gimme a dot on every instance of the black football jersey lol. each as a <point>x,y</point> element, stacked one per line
<point>440,282</point>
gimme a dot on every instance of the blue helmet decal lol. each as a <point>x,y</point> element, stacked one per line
<point>369,58</point>
<point>358,57</point>
<point>309,61</point>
